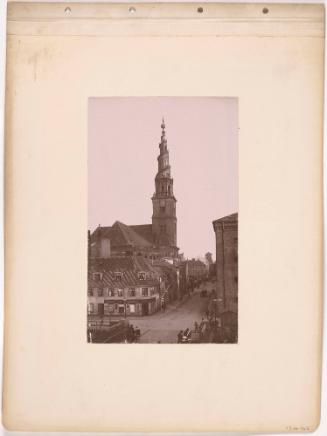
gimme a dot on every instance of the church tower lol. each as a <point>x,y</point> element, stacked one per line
<point>164,221</point>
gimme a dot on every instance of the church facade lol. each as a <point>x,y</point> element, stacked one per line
<point>154,241</point>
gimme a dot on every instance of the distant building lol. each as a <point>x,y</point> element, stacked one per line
<point>154,241</point>
<point>169,280</point>
<point>123,286</point>
<point>195,269</point>
<point>226,230</point>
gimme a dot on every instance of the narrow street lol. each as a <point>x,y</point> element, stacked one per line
<point>164,326</point>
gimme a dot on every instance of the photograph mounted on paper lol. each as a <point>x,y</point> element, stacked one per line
<point>163,220</point>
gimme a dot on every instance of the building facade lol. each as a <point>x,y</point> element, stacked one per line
<point>196,269</point>
<point>123,287</point>
<point>226,230</point>
<point>153,241</point>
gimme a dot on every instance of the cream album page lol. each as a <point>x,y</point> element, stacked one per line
<point>163,217</point>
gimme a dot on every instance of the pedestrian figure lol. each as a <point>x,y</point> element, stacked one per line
<point>180,336</point>
<point>196,326</point>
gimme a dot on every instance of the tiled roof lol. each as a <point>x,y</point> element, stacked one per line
<point>120,234</point>
<point>128,266</point>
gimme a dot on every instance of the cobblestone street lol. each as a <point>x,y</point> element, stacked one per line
<point>164,326</point>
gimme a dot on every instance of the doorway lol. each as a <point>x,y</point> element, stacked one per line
<point>145,309</point>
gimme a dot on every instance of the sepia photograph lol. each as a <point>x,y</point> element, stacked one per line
<point>163,220</point>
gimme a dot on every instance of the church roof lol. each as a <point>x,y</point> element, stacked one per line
<point>144,230</point>
<point>121,234</point>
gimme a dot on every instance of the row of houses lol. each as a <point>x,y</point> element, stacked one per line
<point>137,286</point>
<point>128,286</point>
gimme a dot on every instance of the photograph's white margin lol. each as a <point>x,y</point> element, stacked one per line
<point>322,429</point>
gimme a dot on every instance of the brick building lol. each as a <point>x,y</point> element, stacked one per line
<point>226,230</point>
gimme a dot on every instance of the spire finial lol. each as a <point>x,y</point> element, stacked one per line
<point>163,124</point>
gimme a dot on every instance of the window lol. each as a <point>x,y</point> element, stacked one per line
<point>91,307</point>
<point>145,292</point>
<point>141,275</point>
<point>121,309</point>
<point>118,276</point>
<point>132,292</point>
<point>120,292</point>
<point>132,308</point>
<point>90,293</point>
<point>162,209</point>
<point>97,276</point>
<point>111,308</point>
<point>100,292</point>
<point>111,293</point>
<point>168,189</point>
<point>106,292</point>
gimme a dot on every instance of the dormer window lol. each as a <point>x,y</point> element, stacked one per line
<point>142,275</point>
<point>97,276</point>
<point>118,276</point>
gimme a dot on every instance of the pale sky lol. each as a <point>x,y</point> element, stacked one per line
<point>123,144</point>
